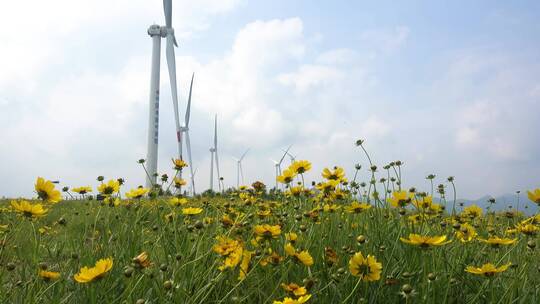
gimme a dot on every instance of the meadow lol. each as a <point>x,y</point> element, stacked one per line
<point>338,240</point>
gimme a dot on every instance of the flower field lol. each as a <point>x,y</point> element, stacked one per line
<point>339,240</point>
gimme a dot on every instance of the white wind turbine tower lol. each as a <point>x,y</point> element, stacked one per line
<point>214,155</point>
<point>239,171</point>
<point>276,166</point>
<point>157,32</point>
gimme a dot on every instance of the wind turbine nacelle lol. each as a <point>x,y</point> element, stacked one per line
<point>156,30</point>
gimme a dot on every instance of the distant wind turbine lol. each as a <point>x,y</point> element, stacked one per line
<point>185,130</point>
<point>277,164</point>
<point>239,171</point>
<point>214,154</point>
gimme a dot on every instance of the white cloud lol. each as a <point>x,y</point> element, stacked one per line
<point>338,56</point>
<point>310,76</point>
<point>375,127</point>
<point>385,40</point>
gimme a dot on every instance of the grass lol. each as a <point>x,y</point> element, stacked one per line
<point>185,268</point>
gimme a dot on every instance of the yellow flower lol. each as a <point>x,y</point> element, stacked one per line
<point>425,241</point>
<point>272,258</point>
<point>289,249</point>
<point>287,176</point>
<point>466,233</point>
<point>29,210</point>
<point>487,270</point>
<point>327,186</point>
<point>525,228</point>
<point>82,190</point>
<point>112,201</point>
<point>472,211</point>
<point>300,166</point>
<point>294,289</point>
<point>49,275</point>
<point>356,207</point>
<point>179,164</point>
<point>368,269</point>
<point>87,274</point>
<point>287,300</point>
<point>109,188</point>
<point>291,237</point>
<point>45,191</point>
<point>331,208</point>
<point>137,193</point>
<point>225,245</point>
<point>267,231</point>
<point>337,174</point>
<point>423,203</point>
<point>191,211</point>
<point>400,199</point>
<point>303,257</point>
<point>232,259</point>
<point>142,260</point>
<point>496,241</point>
<point>535,220</point>
<point>177,201</point>
<point>534,196</point>
<point>244,265</point>
<point>179,182</point>
<point>295,191</point>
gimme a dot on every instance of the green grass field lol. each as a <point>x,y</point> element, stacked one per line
<point>187,265</point>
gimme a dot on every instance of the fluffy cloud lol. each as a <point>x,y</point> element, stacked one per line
<point>271,87</point>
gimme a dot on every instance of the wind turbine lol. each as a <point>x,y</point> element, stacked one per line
<point>157,32</point>
<point>239,171</point>
<point>214,154</point>
<point>185,129</point>
<point>278,164</point>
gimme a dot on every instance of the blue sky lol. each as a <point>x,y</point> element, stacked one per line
<point>451,88</point>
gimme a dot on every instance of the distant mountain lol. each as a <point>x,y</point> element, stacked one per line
<point>503,202</point>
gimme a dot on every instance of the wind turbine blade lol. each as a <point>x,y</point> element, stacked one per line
<point>241,158</point>
<point>167,8</point>
<point>284,154</point>
<point>171,64</point>
<point>215,132</point>
<point>188,110</point>
<point>188,148</point>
